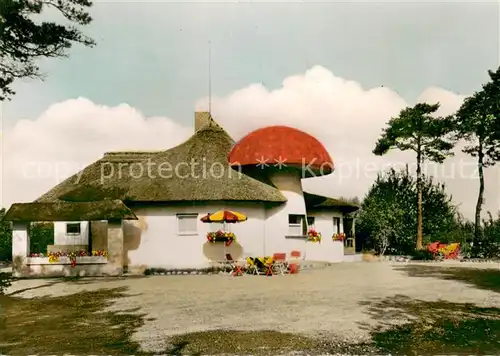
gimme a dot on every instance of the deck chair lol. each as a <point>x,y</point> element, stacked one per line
<point>252,266</point>
<point>261,266</point>
<point>280,264</point>
<point>452,251</point>
<point>433,248</point>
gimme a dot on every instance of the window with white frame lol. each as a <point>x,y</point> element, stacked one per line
<point>73,228</point>
<point>187,224</point>
<point>336,225</point>
<point>296,225</point>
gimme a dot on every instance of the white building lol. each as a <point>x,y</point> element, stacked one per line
<point>167,192</point>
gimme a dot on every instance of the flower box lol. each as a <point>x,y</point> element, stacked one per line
<point>338,237</point>
<point>314,236</point>
<point>87,260</point>
<point>73,257</point>
<point>221,236</point>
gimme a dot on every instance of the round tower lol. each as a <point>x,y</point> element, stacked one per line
<point>282,156</point>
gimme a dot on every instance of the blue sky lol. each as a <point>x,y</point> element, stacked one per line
<point>153,55</point>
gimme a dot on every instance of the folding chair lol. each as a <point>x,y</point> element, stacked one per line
<point>260,265</point>
<point>269,263</point>
<point>280,264</point>
<point>293,266</point>
<point>452,251</point>
<point>252,266</point>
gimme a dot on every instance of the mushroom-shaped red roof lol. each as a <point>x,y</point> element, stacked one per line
<point>282,147</point>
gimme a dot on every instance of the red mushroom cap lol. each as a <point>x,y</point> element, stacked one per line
<point>269,146</point>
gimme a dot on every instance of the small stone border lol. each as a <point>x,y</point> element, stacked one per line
<point>481,260</point>
<point>409,259</point>
<point>214,270</point>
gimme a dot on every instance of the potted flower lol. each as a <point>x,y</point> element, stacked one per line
<point>100,253</point>
<point>221,236</point>
<point>72,257</point>
<point>339,237</point>
<point>314,236</point>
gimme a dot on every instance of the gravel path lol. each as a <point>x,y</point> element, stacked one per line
<point>323,300</point>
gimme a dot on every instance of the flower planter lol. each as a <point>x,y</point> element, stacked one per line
<point>339,237</point>
<point>221,237</point>
<point>72,257</point>
<point>87,260</point>
<point>314,236</point>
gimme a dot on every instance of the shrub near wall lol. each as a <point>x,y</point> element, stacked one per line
<point>5,238</point>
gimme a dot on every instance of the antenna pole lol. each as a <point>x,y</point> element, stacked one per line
<point>209,77</point>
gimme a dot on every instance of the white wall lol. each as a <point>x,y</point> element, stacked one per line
<point>61,238</point>
<point>327,250</point>
<point>157,244</point>
<point>276,225</point>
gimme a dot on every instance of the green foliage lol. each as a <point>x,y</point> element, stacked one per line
<point>390,209</point>
<point>5,282</point>
<point>5,238</point>
<point>421,255</point>
<point>416,129</point>
<point>25,39</point>
<point>41,235</point>
<point>487,245</point>
<point>477,122</point>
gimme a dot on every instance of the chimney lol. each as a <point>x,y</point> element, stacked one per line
<point>201,119</point>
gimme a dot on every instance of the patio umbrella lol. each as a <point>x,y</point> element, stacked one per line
<point>224,216</point>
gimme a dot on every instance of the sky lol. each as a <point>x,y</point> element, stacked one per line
<point>336,70</point>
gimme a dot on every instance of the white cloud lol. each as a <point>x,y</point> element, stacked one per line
<point>345,117</point>
<point>348,119</point>
<point>68,136</point>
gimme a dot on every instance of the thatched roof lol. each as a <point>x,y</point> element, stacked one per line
<point>318,202</point>
<point>196,170</point>
<point>66,211</point>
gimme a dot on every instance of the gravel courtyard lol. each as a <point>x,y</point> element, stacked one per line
<point>329,301</point>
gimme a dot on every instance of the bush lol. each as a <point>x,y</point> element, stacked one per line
<point>41,235</point>
<point>388,215</point>
<point>421,255</point>
<point>5,238</point>
<point>5,282</point>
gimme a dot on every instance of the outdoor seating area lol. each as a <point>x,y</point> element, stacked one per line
<point>277,264</point>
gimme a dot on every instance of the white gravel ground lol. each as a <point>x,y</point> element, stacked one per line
<point>316,301</point>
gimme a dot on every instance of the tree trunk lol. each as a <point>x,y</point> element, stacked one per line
<point>419,200</point>
<point>479,205</point>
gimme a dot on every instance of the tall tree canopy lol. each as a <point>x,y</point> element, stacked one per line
<point>477,122</point>
<point>416,129</point>
<point>24,38</point>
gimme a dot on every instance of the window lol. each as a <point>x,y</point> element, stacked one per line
<point>73,229</point>
<point>187,224</point>
<point>296,225</point>
<point>336,225</point>
<point>310,222</point>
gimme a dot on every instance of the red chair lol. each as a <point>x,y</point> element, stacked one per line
<point>235,268</point>
<point>433,247</point>
<point>293,266</point>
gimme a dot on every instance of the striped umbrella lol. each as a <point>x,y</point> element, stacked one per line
<point>224,216</point>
